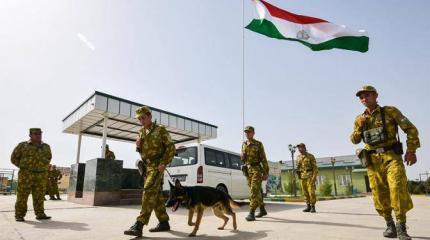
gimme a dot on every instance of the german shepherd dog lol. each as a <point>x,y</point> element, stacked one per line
<point>197,198</point>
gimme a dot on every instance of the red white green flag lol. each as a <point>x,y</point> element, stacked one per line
<point>315,33</point>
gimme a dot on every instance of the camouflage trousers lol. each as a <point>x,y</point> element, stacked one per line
<point>34,183</point>
<point>53,188</point>
<point>389,184</point>
<point>255,175</point>
<point>152,198</point>
<point>308,188</point>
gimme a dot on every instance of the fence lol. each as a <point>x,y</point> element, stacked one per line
<point>8,181</point>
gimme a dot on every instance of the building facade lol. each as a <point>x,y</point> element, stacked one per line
<point>344,173</point>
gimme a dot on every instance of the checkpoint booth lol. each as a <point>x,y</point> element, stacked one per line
<point>105,182</point>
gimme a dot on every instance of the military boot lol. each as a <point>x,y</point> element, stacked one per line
<point>19,219</point>
<point>161,227</point>
<point>402,234</point>
<point>262,212</point>
<point>390,232</point>
<point>43,217</point>
<point>135,230</point>
<point>308,208</point>
<point>58,197</point>
<point>313,208</point>
<point>251,216</point>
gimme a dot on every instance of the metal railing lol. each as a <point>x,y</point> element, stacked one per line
<point>8,181</point>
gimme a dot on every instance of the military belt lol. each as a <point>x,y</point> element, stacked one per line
<point>380,150</point>
<point>33,171</point>
<point>253,165</point>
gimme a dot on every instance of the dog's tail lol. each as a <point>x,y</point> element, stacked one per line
<point>235,204</point>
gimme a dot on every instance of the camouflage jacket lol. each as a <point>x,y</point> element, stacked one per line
<point>254,155</point>
<point>55,175</point>
<point>109,155</point>
<point>32,157</point>
<point>306,166</point>
<point>156,146</point>
<point>393,118</point>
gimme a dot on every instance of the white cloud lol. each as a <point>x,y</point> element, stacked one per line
<point>84,39</point>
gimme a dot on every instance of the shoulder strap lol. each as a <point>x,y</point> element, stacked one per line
<point>384,126</point>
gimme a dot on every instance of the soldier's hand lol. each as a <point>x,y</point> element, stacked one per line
<point>161,168</point>
<point>410,158</point>
<point>138,142</point>
<point>362,121</point>
<point>264,177</point>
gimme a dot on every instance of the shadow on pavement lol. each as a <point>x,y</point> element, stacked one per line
<point>237,235</point>
<point>425,238</point>
<point>359,214</point>
<point>265,219</point>
<point>52,224</point>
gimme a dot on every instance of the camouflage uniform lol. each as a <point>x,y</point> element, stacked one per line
<point>156,148</point>
<point>32,161</point>
<point>109,155</point>
<point>307,170</point>
<point>54,176</point>
<point>255,160</point>
<point>50,185</point>
<point>387,175</point>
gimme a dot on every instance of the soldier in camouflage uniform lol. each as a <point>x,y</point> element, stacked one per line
<point>307,172</point>
<point>386,171</point>
<point>109,154</point>
<point>256,170</point>
<point>50,184</point>
<point>32,158</point>
<point>157,151</point>
<point>55,177</point>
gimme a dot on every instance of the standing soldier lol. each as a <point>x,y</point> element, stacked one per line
<point>307,172</point>
<point>256,169</point>
<point>55,178</point>
<point>109,155</point>
<point>50,182</point>
<point>156,150</point>
<point>378,128</point>
<point>32,158</point>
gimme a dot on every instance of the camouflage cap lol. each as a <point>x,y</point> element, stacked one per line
<point>365,88</point>
<point>142,110</point>
<point>249,128</point>
<point>301,145</point>
<point>35,130</point>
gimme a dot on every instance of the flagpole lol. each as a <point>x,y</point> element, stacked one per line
<point>243,69</point>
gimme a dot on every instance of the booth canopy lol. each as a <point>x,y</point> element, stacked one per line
<point>88,119</point>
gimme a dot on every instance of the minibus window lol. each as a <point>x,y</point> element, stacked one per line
<point>184,157</point>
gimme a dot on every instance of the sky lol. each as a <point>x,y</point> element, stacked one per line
<point>186,57</point>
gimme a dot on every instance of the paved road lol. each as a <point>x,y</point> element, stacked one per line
<point>336,219</point>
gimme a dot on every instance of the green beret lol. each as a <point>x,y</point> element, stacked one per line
<point>366,88</point>
<point>142,110</point>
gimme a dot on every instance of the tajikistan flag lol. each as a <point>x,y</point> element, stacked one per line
<point>315,33</point>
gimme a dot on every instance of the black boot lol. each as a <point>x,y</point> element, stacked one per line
<point>161,227</point>
<point>251,216</point>
<point>43,217</point>
<point>313,208</point>
<point>19,219</point>
<point>135,230</point>
<point>52,198</point>
<point>308,208</point>
<point>262,212</point>
<point>391,231</point>
<point>58,197</point>
<point>402,234</point>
